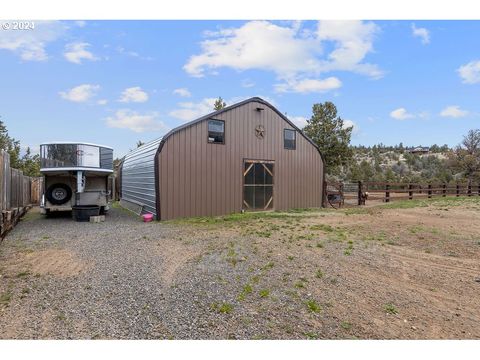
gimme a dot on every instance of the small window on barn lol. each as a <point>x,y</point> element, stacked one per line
<point>216,131</point>
<point>289,139</point>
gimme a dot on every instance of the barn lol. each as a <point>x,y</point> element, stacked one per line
<point>247,156</point>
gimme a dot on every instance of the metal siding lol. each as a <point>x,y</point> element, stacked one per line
<point>202,179</point>
<point>138,176</point>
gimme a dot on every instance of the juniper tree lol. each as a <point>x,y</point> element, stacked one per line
<point>328,132</point>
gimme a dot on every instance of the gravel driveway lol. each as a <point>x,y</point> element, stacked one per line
<point>82,280</point>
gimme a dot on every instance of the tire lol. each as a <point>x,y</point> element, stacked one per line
<point>59,194</point>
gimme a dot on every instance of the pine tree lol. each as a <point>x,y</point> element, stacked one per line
<point>327,131</point>
<point>219,104</point>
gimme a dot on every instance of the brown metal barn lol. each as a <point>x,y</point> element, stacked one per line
<point>247,156</point>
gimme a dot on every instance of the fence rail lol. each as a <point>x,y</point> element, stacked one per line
<point>340,194</point>
<point>18,193</point>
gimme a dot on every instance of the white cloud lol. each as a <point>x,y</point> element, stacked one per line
<point>299,121</point>
<point>183,92</point>
<point>193,110</point>
<point>247,83</point>
<point>31,45</point>
<point>81,93</point>
<point>401,114</point>
<point>293,54</point>
<point>128,119</point>
<point>123,51</point>
<point>133,94</point>
<point>81,23</point>
<point>422,33</point>
<point>309,85</point>
<point>470,73</point>
<point>102,102</point>
<point>76,52</point>
<point>353,40</point>
<point>349,123</point>
<point>453,111</point>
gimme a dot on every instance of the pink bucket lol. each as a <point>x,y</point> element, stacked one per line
<point>147,217</point>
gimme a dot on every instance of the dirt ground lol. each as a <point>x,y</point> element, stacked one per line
<point>405,270</point>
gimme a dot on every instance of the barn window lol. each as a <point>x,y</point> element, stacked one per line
<point>289,139</point>
<point>216,131</point>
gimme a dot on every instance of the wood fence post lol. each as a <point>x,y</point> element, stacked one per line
<point>361,201</point>
<point>387,193</point>
<point>458,190</point>
<point>469,189</point>
<point>444,191</point>
<point>410,192</point>
<point>429,191</point>
<point>342,198</point>
<point>478,190</point>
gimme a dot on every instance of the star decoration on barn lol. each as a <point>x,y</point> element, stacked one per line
<point>260,132</point>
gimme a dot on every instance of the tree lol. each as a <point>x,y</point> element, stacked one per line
<point>11,146</point>
<point>219,104</point>
<point>30,164</point>
<point>466,156</point>
<point>327,131</point>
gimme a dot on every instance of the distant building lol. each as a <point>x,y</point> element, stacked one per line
<point>418,150</point>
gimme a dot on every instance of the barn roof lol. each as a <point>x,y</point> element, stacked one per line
<point>218,112</point>
<point>160,141</point>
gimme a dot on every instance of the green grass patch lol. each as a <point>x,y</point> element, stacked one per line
<point>247,289</point>
<point>322,227</point>
<point>319,274</point>
<point>264,293</point>
<point>268,266</point>
<point>311,335</point>
<point>356,211</point>
<point>346,325</point>
<point>223,308</point>
<point>23,274</point>
<point>442,202</point>
<point>379,236</point>
<point>313,306</point>
<point>391,309</point>
<point>5,298</point>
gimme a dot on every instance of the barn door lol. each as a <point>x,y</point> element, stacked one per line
<point>258,185</point>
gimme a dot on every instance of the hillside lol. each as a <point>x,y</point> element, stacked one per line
<point>397,164</point>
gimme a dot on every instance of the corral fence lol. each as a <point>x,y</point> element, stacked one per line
<point>344,194</point>
<point>18,193</point>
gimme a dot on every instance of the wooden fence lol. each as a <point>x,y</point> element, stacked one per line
<point>18,193</point>
<point>340,194</point>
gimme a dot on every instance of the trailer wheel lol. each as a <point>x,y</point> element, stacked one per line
<point>59,194</point>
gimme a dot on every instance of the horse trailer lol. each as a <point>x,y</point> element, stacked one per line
<point>76,178</point>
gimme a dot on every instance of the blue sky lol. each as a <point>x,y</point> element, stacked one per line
<point>116,82</point>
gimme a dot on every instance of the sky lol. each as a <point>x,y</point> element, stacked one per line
<point>117,82</point>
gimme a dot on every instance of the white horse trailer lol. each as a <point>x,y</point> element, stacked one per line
<point>76,178</point>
